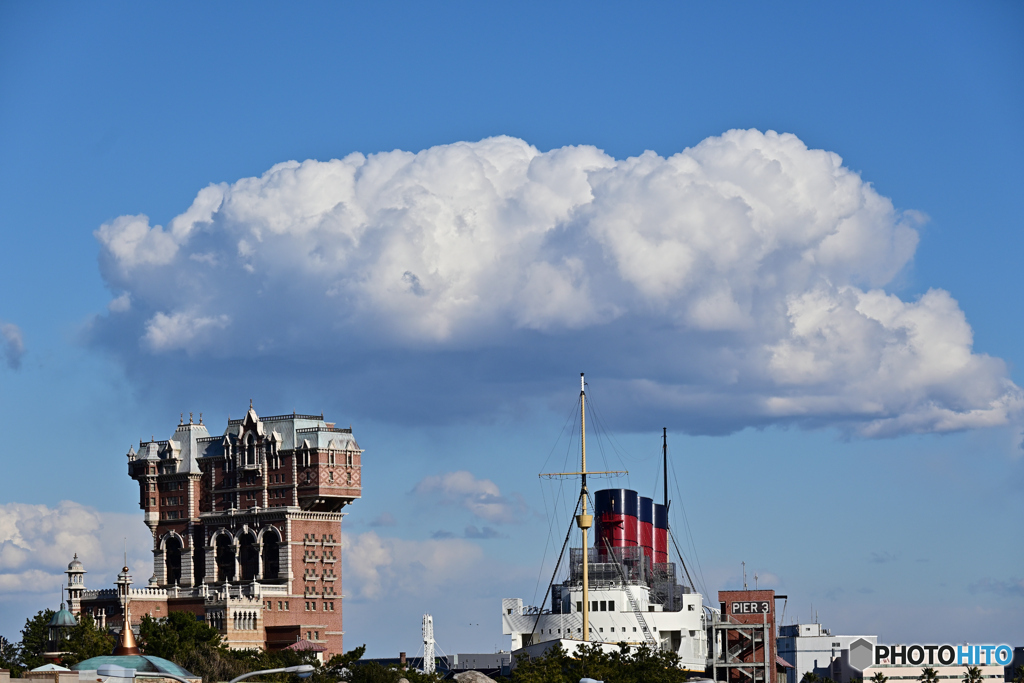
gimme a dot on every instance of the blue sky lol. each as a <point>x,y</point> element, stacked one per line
<point>879,473</point>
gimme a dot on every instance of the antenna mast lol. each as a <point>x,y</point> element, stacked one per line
<point>428,644</point>
<point>584,521</point>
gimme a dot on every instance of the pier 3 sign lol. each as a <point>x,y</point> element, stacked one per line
<point>751,607</point>
<point>863,655</point>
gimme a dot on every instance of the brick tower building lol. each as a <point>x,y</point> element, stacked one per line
<point>246,529</point>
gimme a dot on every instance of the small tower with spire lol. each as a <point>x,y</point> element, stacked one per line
<point>76,585</point>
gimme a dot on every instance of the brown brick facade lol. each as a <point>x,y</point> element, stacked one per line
<point>246,528</point>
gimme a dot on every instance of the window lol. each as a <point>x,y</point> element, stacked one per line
<point>285,605</point>
<point>330,477</point>
<point>279,605</point>
<point>593,605</point>
<point>307,605</point>
<point>604,606</point>
<point>579,607</point>
<point>316,635</point>
<point>348,460</point>
<point>611,605</point>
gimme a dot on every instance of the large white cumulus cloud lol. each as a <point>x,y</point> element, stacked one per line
<point>738,282</point>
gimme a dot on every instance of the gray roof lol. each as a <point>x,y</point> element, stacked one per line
<point>192,441</point>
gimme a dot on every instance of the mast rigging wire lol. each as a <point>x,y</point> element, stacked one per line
<point>540,609</point>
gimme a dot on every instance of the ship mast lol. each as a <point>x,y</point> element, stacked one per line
<point>664,462</point>
<point>584,520</point>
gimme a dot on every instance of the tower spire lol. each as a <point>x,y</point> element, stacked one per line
<point>126,644</point>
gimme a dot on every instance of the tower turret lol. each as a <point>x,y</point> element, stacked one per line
<point>76,585</point>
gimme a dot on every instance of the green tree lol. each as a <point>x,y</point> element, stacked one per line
<point>857,679</point>
<point>623,666</point>
<point>34,639</point>
<point>879,677</point>
<point>177,632</point>
<point>209,663</point>
<point>191,644</point>
<point>1018,675</point>
<point>972,675</point>
<point>86,640</point>
<point>10,657</point>
<point>928,675</point>
<point>811,677</point>
<point>339,664</point>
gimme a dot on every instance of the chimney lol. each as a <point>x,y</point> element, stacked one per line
<point>401,659</point>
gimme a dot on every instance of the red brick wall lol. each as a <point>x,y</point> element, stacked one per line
<point>747,607</point>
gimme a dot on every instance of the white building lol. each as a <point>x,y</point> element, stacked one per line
<point>812,648</point>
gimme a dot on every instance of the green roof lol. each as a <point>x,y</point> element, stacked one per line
<point>63,618</point>
<point>146,663</point>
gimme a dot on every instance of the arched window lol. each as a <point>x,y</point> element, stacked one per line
<point>248,556</point>
<point>198,561</point>
<point>250,450</point>
<point>271,556</point>
<point>172,560</point>
<point>225,559</point>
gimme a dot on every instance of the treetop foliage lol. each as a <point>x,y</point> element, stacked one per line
<point>642,665</point>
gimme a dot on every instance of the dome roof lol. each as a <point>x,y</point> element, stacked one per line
<point>63,618</point>
<point>75,565</point>
<point>138,662</point>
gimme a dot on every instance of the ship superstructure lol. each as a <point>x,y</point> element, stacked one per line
<point>623,590</point>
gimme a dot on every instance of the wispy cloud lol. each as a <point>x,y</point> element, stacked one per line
<point>383,519</point>
<point>480,496</point>
<point>1013,588</point>
<point>378,566</point>
<point>483,533</point>
<point>765,260</point>
<point>882,557</point>
<point>13,344</point>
